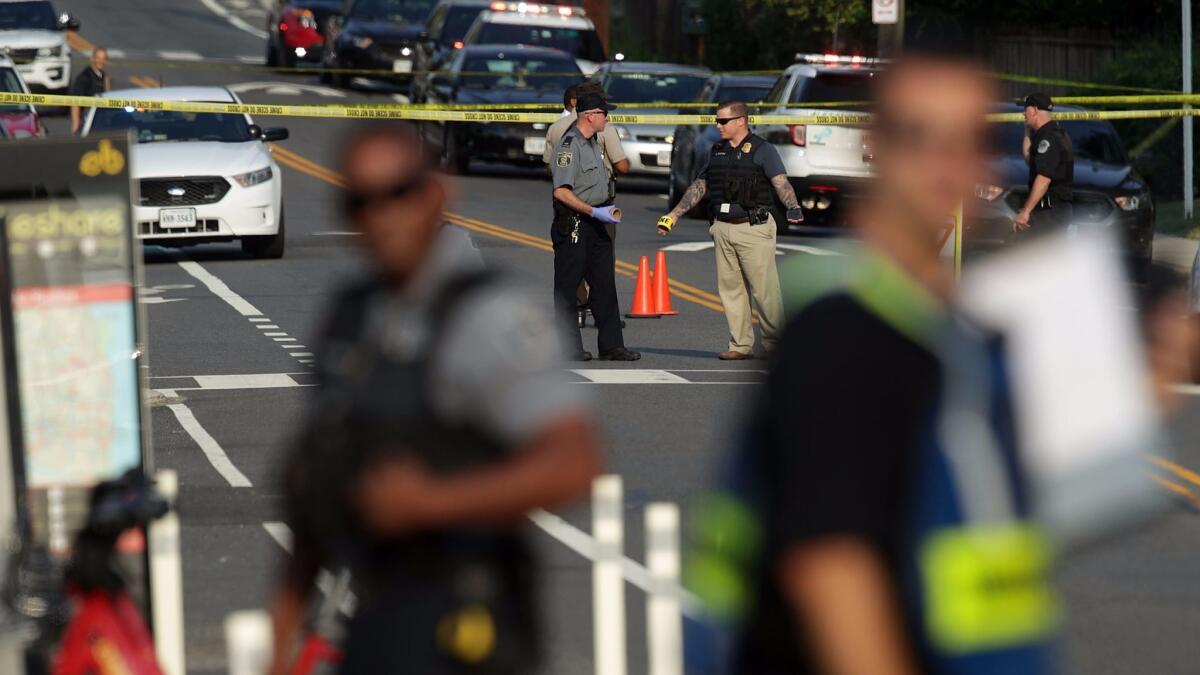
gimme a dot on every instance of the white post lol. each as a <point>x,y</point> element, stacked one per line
<point>664,623</point>
<point>248,636</point>
<point>608,585</point>
<point>1188,197</point>
<point>166,581</point>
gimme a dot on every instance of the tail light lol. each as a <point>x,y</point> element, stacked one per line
<point>304,17</point>
<point>798,133</point>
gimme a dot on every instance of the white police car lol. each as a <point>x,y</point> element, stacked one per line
<point>826,164</point>
<point>34,37</point>
<point>534,24</point>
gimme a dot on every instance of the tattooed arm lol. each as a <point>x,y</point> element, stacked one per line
<point>691,197</point>
<point>787,195</point>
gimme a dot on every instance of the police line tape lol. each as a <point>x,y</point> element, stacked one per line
<point>400,112</point>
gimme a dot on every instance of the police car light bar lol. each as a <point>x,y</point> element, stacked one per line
<point>839,60</point>
<point>536,8</point>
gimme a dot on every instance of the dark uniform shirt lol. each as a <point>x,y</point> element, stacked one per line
<point>88,83</point>
<point>1051,155</point>
<point>763,155</point>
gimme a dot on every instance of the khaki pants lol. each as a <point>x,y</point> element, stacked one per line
<point>746,262</point>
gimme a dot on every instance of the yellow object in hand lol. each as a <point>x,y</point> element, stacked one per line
<point>665,224</point>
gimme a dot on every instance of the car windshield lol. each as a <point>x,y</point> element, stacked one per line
<point>834,87</point>
<point>405,10</point>
<point>1092,141</point>
<point>27,16</point>
<point>580,43</point>
<point>745,93</point>
<point>458,22</point>
<point>652,87</point>
<point>520,72</point>
<point>156,126</point>
<point>10,82</point>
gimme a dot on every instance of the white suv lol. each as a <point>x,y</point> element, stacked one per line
<point>827,164</point>
<point>34,36</point>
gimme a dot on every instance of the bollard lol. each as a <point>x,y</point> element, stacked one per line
<point>248,642</point>
<point>608,585</point>
<point>664,623</point>
<point>166,581</point>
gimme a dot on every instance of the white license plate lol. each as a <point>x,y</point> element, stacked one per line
<point>664,158</point>
<point>535,146</point>
<point>402,66</point>
<point>177,219</point>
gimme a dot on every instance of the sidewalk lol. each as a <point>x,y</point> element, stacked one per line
<point>1177,252</point>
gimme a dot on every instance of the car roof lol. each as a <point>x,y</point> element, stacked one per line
<point>465,3</point>
<point>5,60</point>
<point>812,70</point>
<point>528,19</point>
<point>213,94</point>
<point>746,80</point>
<point>524,50</point>
<point>650,67</point>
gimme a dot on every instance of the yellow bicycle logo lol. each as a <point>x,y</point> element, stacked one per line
<point>104,159</point>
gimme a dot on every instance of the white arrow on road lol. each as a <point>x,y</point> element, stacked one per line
<point>694,246</point>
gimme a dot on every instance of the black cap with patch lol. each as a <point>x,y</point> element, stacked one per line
<point>592,101</point>
<point>1040,101</point>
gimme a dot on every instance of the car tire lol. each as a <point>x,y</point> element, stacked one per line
<point>266,247</point>
<point>272,55</point>
<point>457,161</point>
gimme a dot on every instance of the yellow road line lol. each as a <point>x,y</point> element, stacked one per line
<point>1180,471</point>
<point>1179,490</point>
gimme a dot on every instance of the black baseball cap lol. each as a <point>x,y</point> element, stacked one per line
<point>1040,101</point>
<point>592,101</point>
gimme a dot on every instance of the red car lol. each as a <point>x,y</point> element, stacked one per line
<point>296,30</point>
<point>20,120</point>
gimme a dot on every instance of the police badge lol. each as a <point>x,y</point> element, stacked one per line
<point>564,159</point>
<point>1043,146</point>
<point>745,148</point>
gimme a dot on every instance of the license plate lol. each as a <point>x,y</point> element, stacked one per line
<point>535,146</point>
<point>664,158</point>
<point>402,66</point>
<point>177,219</point>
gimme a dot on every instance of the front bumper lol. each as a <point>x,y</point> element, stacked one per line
<point>47,73</point>
<point>520,144</point>
<point>648,157</point>
<point>242,212</point>
<point>393,66</point>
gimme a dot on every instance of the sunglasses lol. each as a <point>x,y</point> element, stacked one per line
<point>355,202</point>
<point>597,112</point>
<point>722,121</point>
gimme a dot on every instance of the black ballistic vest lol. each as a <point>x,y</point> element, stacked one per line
<point>733,176</point>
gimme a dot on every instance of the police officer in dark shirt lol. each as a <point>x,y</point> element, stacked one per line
<point>1051,159</point>
<point>91,81</point>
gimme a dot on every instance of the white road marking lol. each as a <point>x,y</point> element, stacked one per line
<point>401,99</point>
<point>336,234</point>
<point>155,300</point>
<point>258,319</point>
<point>237,22</point>
<point>298,354</point>
<point>689,246</point>
<point>293,346</point>
<point>250,60</point>
<point>116,53</point>
<point>696,246</point>
<point>239,4</point>
<point>606,376</point>
<point>180,55</point>
<point>268,326</point>
<point>208,445</point>
<point>811,250</point>
<point>218,288</point>
<point>263,381</point>
<point>284,339</point>
<point>1187,389</point>
<point>274,334</point>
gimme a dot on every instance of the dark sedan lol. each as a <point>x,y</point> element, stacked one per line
<point>498,74</point>
<point>1109,193</point>
<point>378,35</point>
<point>693,143</point>
<point>444,33</point>
<point>296,30</point>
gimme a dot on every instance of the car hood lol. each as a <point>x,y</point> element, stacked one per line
<point>25,39</point>
<point>383,30</point>
<point>548,96</point>
<point>199,158</point>
<point>646,129</point>
<point>1012,170</point>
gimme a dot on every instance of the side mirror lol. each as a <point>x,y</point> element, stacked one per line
<point>68,22</point>
<point>256,132</point>
<point>274,134</point>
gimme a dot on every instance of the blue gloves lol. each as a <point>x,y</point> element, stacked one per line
<point>607,214</point>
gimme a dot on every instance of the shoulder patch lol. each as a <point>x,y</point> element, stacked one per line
<point>564,158</point>
<point>1043,146</point>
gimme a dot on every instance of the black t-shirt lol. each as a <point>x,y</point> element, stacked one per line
<point>88,83</point>
<point>846,403</point>
<point>1051,155</point>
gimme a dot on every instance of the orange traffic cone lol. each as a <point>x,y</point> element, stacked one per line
<point>643,299</point>
<point>662,286</point>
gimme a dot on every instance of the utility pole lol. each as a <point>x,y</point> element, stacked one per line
<point>1188,197</point>
<point>891,35</point>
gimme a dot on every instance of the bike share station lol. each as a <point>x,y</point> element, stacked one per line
<point>74,415</point>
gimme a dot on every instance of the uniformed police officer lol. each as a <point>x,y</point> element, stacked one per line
<point>91,81</point>
<point>1047,149</point>
<point>583,250</point>
<point>738,178</point>
<point>441,417</point>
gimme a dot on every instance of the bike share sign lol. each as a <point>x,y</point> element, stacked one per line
<point>71,328</point>
<point>885,11</point>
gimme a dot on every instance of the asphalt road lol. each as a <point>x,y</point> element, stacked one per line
<point>1133,602</point>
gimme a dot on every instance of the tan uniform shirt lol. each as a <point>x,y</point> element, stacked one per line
<point>610,143</point>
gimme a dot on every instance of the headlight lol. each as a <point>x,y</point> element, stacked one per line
<point>362,42</point>
<point>407,51</point>
<point>255,177</point>
<point>1129,202</point>
<point>988,193</point>
<point>669,139</point>
<point>50,51</point>
<point>623,133</point>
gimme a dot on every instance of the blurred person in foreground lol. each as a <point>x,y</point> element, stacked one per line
<point>441,418</point>
<point>881,505</point>
<point>91,81</point>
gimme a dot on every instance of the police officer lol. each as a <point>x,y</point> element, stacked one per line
<point>1051,159</point>
<point>441,418</point>
<point>583,250</point>
<point>91,81</point>
<point>740,174</point>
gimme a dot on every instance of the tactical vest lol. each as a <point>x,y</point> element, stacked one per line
<point>734,178</point>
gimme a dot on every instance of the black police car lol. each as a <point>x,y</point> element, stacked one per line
<point>693,143</point>
<point>444,33</point>
<point>497,74</point>
<point>379,35</point>
<point>1109,193</point>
